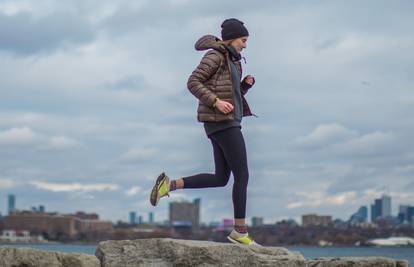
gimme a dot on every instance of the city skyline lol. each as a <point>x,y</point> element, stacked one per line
<point>135,217</point>
<point>94,105</point>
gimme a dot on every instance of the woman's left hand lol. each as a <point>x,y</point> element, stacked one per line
<point>249,79</point>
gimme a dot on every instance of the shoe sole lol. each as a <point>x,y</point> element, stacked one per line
<point>234,241</point>
<point>154,198</point>
<point>237,242</point>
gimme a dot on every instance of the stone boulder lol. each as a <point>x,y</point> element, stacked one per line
<point>160,252</point>
<point>175,252</point>
<point>28,257</point>
<point>356,261</point>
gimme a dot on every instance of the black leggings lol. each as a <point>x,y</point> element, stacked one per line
<point>229,155</point>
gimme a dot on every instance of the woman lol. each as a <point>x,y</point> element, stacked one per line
<point>216,84</point>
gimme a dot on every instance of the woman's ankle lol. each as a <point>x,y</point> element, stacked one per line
<point>242,229</point>
<point>176,184</point>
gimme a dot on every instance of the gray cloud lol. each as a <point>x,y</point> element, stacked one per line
<point>24,34</point>
<point>321,128</point>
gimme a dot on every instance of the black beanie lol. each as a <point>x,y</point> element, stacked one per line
<point>232,29</point>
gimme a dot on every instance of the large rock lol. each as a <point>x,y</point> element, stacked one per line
<point>28,257</point>
<point>160,252</point>
<point>356,261</point>
<point>175,252</point>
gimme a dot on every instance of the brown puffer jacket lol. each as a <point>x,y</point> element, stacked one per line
<point>212,78</point>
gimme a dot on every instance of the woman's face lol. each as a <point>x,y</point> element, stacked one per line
<point>240,43</point>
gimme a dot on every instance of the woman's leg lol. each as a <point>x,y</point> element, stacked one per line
<point>203,180</point>
<point>233,146</point>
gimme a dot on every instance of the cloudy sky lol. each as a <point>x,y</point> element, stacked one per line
<point>94,105</point>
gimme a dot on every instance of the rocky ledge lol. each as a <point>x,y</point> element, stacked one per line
<point>28,257</point>
<point>160,252</point>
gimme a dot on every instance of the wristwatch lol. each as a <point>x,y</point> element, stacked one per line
<point>215,102</point>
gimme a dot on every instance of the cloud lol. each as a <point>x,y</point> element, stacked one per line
<point>29,35</point>
<point>17,136</point>
<point>319,199</point>
<point>105,78</point>
<point>61,142</point>
<point>133,191</point>
<point>326,134</point>
<point>138,154</point>
<point>371,144</point>
<point>73,187</point>
<point>7,183</point>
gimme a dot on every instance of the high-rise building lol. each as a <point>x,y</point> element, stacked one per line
<point>381,208</point>
<point>185,214</point>
<point>41,208</point>
<point>386,206</point>
<point>150,217</point>
<point>132,217</point>
<point>373,213</point>
<point>257,221</point>
<point>197,205</point>
<point>140,219</point>
<point>361,216</point>
<point>403,213</point>
<point>406,214</point>
<point>11,203</point>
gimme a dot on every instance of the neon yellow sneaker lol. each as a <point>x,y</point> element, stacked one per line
<point>243,239</point>
<point>160,189</point>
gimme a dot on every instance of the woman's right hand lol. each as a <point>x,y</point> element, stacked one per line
<point>223,106</point>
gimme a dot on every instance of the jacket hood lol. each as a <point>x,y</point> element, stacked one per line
<point>209,42</point>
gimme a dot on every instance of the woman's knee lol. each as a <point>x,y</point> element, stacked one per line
<point>222,179</point>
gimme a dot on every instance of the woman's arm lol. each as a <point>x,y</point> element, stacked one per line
<point>205,70</point>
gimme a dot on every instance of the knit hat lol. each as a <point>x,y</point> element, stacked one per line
<point>232,29</point>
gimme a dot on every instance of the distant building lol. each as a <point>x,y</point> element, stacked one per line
<point>140,219</point>
<point>287,223</point>
<point>257,221</point>
<point>313,219</point>
<point>410,214</point>
<point>228,222</point>
<point>53,225</point>
<point>85,216</point>
<point>386,206</point>
<point>132,217</point>
<point>11,203</point>
<point>197,204</point>
<point>361,216</point>
<point>41,208</point>
<point>405,214</point>
<point>151,218</point>
<point>185,214</point>
<point>214,224</point>
<point>381,208</point>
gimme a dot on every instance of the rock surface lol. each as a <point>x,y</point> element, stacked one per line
<point>356,261</point>
<point>28,257</point>
<point>160,252</point>
<point>175,252</point>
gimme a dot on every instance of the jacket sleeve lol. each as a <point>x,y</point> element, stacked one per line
<point>205,70</point>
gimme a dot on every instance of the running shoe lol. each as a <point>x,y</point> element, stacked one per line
<point>243,239</point>
<point>160,189</point>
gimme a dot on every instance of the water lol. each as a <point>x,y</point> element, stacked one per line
<point>87,249</point>
<point>406,253</point>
